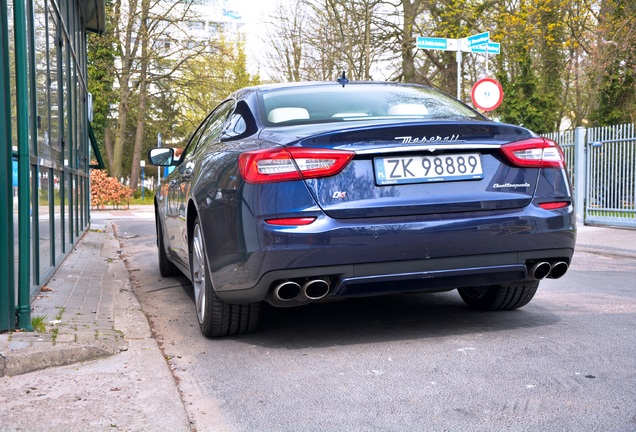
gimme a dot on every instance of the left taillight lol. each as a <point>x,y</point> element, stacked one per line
<point>277,165</point>
<point>534,153</point>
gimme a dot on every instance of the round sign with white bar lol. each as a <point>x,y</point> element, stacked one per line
<point>487,94</point>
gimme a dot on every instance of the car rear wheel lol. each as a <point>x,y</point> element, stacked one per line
<point>216,318</point>
<point>499,297</point>
<point>166,267</point>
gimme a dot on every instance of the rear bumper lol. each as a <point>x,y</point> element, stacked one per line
<point>371,257</point>
<point>430,275</point>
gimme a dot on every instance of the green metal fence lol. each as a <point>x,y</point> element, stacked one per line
<point>7,300</point>
<point>44,140</point>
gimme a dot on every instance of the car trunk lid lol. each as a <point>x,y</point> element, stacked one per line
<point>415,168</point>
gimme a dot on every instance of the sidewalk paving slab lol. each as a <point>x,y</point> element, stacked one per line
<point>110,373</point>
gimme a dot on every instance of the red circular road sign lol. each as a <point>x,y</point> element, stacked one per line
<point>487,94</point>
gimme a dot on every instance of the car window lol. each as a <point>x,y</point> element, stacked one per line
<point>210,128</point>
<point>334,103</point>
<point>218,122</point>
<point>192,144</point>
<point>235,126</point>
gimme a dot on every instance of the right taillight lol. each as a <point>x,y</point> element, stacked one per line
<point>534,153</point>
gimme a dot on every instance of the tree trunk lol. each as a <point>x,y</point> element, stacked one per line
<point>108,146</point>
<point>120,131</point>
<point>411,9</point>
<point>143,97</point>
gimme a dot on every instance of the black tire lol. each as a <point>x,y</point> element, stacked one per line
<point>499,297</point>
<point>166,267</point>
<point>216,318</point>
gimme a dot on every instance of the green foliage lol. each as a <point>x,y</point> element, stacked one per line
<point>523,103</point>
<point>616,59</point>
<point>101,77</point>
<point>182,85</point>
<point>530,64</point>
<point>225,70</point>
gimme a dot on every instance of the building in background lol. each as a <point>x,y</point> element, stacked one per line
<point>45,143</point>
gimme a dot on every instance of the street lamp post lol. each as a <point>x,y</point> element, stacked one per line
<point>143,165</point>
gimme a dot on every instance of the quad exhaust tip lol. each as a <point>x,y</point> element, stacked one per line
<point>287,291</point>
<point>551,270</point>
<point>290,290</point>
<point>316,289</point>
<point>558,269</point>
<point>540,270</point>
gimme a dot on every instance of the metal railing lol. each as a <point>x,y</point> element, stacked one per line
<point>602,165</point>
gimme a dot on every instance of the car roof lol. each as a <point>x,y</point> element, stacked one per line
<point>278,86</point>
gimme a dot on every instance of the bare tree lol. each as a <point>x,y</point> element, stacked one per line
<point>154,40</point>
<point>350,37</point>
<point>287,40</point>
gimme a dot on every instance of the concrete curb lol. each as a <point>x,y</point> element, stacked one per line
<point>36,358</point>
<point>605,251</point>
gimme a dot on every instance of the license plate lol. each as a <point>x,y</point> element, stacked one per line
<point>424,169</point>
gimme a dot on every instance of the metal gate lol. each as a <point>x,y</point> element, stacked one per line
<point>611,175</point>
<point>606,174</point>
<point>566,141</point>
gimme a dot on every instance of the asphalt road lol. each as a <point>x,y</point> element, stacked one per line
<point>565,362</point>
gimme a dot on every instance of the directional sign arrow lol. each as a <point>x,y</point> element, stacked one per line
<point>493,48</point>
<point>478,39</point>
<point>432,43</point>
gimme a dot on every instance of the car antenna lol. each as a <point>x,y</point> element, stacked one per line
<point>343,79</point>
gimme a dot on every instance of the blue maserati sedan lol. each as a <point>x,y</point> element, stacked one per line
<point>298,193</point>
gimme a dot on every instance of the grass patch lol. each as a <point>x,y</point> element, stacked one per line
<point>61,310</point>
<point>38,323</point>
<point>149,199</point>
<point>611,214</point>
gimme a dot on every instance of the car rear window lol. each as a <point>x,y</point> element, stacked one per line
<point>334,103</point>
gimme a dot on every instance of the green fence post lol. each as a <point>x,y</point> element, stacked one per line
<point>7,296</point>
<point>580,177</point>
<point>24,185</point>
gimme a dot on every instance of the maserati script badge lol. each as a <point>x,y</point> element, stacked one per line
<point>432,139</point>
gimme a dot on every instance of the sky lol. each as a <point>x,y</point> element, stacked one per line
<point>254,13</point>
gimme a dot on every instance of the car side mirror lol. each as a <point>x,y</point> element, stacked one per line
<point>163,156</point>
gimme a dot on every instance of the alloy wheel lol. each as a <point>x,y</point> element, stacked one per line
<point>198,272</point>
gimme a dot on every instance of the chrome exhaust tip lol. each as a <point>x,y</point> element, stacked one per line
<point>316,289</point>
<point>540,270</point>
<point>558,269</point>
<point>287,291</point>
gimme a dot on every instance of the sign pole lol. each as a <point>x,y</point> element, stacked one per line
<point>487,74</point>
<point>159,143</point>
<point>479,43</point>
<point>459,74</point>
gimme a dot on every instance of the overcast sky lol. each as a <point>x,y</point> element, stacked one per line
<point>253,12</point>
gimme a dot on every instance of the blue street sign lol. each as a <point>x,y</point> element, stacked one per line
<point>478,39</point>
<point>15,172</point>
<point>493,48</point>
<point>432,43</point>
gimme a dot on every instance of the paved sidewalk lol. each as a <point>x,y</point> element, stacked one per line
<point>91,313</point>
<point>619,242</point>
<point>77,307</point>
